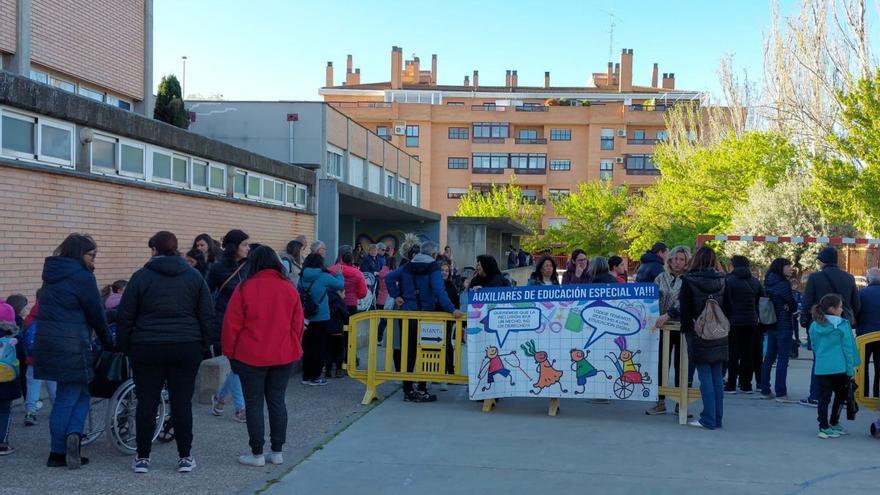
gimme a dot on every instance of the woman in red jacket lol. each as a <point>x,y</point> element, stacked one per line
<point>355,289</point>
<point>262,334</point>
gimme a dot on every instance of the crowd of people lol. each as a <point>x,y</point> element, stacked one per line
<point>264,311</point>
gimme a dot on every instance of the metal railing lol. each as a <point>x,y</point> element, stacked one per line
<point>496,171</point>
<point>360,104</point>
<point>488,108</point>
<point>642,171</point>
<point>488,140</point>
<point>661,107</point>
<point>529,171</point>
<point>532,108</point>
<point>861,377</point>
<point>641,141</point>
<point>531,140</point>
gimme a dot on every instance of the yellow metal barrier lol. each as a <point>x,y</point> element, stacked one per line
<point>682,394</point>
<point>860,378</point>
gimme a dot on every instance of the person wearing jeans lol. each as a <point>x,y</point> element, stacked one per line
<point>262,334</point>
<point>164,324</point>
<point>232,387</point>
<point>779,335</point>
<point>34,389</point>
<point>317,281</point>
<point>712,392</point>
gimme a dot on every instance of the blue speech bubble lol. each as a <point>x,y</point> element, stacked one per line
<point>610,320</point>
<point>507,320</point>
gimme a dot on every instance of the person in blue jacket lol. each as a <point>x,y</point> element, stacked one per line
<point>317,281</point>
<point>777,285</point>
<point>652,263</point>
<point>418,286</point>
<point>70,308</point>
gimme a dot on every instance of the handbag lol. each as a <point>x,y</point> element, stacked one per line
<point>766,311</point>
<point>217,292</point>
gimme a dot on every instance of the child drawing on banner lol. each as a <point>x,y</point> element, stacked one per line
<point>583,369</point>
<point>631,370</point>
<point>495,366</point>
<point>547,375</point>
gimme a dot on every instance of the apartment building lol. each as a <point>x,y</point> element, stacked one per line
<point>550,137</point>
<point>99,49</point>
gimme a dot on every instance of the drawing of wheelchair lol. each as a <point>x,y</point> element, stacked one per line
<point>626,381</point>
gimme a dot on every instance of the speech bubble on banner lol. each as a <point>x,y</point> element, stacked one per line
<point>606,319</point>
<point>503,321</point>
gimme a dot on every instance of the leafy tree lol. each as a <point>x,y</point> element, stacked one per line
<point>504,201</point>
<point>592,214</point>
<point>169,103</point>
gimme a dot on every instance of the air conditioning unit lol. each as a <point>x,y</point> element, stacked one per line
<point>619,159</point>
<point>400,128</point>
<point>621,133</point>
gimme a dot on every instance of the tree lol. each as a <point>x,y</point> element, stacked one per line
<point>781,210</point>
<point>505,201</point>
<point>592,214</point>
<point>169,103</point>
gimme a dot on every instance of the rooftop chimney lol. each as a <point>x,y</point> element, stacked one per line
<point>654,76</point>
<point>514,79</point>
<point>329,81</point>
<point>348,63</point>
<point>547,79</point>
<point>352,76</point>
<point>467,81</point>
<point>396,62</point>
<point>476,79</point>
<point>609,77</point>
<point>626,71</point>
<point>434,69</point>
<point>507,79</point>
<point>669,81</point>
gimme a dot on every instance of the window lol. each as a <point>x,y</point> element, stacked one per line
<point>662,136</point>
<point>253,186</point>
<point>458,133</point>
<point>301,197</point>
<point>640,165</point>
<point>556,222</point>
<point>638,135</point>
<point>374,178</point>
<point>268,189</point>
<point>560,134</point>
<point>458,163</point>
<point>199,174</point>
<point>402,189</point>
<point>39,76</point>
<point>528,161</point>
<point>218,178</point>
<point>239,183</point>
<point>131,160</point>
<point>356,171</point>
<point>530,195</point>
<point>412,136</point>
<point>91,94</point>
<point>103,153</point>
<point>490,161</point>
<point>414,194</point>
<point>607,139</point>
<point>560,164</point>
<point>606,169</point>
<point>528,134</point>
<point>18,134</point>
<point>555,193</point>
<point>62,84</point>
<point>334,164</point>
<point>456,192</point>
<point>691,135</point>
<point>383,133</point>
<point>390,183</point>
<point>56,143</point>
<point>455,103</point>
<point>161,166</point>
<point>116,102</point>
<point>491,130</point>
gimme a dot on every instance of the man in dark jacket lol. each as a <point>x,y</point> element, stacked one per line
<point>512,258</point>
<point>868,319</point>
<point>418,286</point>
<point>652,263</point>
<point>740,304</point>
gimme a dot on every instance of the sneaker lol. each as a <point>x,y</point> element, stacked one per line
<point>696,424</point>
<point>340,373</point>
<point>252,460</point>
<point>186,464</point>
<point>217,405</point>
<point>839,429</point>
<point>746,391</point>
<point>141,465</point>
<point>809,403</point>
<point>768,396</point>
<point>39,405</point>
<point>658,409</point>
<point>240,416</point>
<point>444,387</point>
<point>72,456</point>
<point>320,382</point>
<point>828,433</point>
<point>784,399</point>
<point>419,396</point>
<point>690,416</point>
<point>30,419</point>
<point>6,449</point>
<point>275,458</point>
<point>730,391</point>
<point>306,382</point>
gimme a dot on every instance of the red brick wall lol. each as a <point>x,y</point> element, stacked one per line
<point>39,209</point>
<point>7,26</point>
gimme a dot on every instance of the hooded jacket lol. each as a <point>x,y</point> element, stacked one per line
<point>696,289</point>
<point>741,294</point>
<point>778,289</point>
<point>650,266</point>
<point>320,282</point>
<point>834,346</point>
<point>420,284</point>
<point>355,285</point>
<point>263,324</point>
<point>70,307</point>
<point>13,390</point>
<point>165,302</point>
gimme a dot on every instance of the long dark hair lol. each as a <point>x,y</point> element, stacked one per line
<point>213,253</point>
<point>201,264</point>
<point>704,259</point>
<point>777,266</point>
<point>263,258</point>
<point>539,267</point>
<point>575,254</point>
<point>231,241</point>
<point>314,260</point>
<point>165,243</point>
<point>489,264</point>
<point>294,249</point>
<point>828,301</point>
<point>75,246</point>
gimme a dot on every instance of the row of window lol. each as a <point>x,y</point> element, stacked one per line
<point>528,194</point>
<point>31,137</point>
<point>533,161</point>
<point>82,90</point>
<point>397,188</point>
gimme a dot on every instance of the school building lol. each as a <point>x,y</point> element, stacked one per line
<point>550,137</point>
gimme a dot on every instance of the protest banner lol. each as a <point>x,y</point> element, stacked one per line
<point>577,341</point>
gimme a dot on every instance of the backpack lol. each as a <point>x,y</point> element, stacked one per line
<point>310,307</point>
<point>30,338</point>
<point>9,365</point>
<point>712,324</point>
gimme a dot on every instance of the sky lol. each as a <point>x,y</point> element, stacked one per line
<point>278,50</point>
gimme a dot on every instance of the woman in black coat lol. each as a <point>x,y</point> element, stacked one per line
<point>70,308</point>
<point>777,285</point>
<point>487,274</point>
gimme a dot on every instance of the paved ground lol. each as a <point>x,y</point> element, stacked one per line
<point>452,447</point>
<point>315,415</point>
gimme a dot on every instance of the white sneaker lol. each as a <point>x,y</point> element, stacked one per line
<point>276,458</point>
<point>252,460</point>
<point>695,423</point>
<point>444,387</point>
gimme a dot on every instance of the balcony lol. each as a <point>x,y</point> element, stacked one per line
<point>488,108</point>
<point>489,140</point>
<point>531,140</point>
<point>532,108</point>
<point>662,107</point>
<point>642,171</point>
<point>641,141</point>
<point>360,104</point>
<point>492,171</point>
<point>529,171</point>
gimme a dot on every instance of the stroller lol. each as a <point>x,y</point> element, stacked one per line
<point>369,301</point>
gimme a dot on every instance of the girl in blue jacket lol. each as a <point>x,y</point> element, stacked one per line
<point>834,348</point>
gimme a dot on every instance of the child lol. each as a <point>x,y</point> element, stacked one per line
<point>9,390</point>
<point>32,402</point>
<point>112,294</point>
<point>834,348</point>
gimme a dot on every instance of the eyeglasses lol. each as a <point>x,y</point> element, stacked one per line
<point>91,255</point>
<point>581,260</point>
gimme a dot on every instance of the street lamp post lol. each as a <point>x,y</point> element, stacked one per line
<point>183,85</point>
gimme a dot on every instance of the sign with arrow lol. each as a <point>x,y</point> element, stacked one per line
<point>432,332</point>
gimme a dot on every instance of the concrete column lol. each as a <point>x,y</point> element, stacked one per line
<point>21,61</point>
<point>328,216</point>
<point>145,107</point>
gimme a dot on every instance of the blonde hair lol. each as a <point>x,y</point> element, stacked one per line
<point>686,251</point>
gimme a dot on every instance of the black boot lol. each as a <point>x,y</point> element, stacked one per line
<point>56,460</point>
<point>73,457</point>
